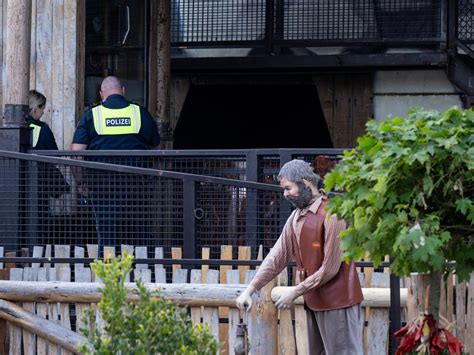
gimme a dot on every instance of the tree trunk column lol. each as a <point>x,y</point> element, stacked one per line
<point>17,62</point>
<point>164,73</point>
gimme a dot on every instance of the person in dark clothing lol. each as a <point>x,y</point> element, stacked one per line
<point>119,200</point>
<point>51,183</point>
<point>43,138</point>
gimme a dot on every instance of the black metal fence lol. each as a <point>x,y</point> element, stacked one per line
<point>253,23</point>
<point>149,198</point>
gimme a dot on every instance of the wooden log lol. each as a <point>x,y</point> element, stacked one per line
<point>263,323</point>
<point>17,61</point>
<point>66,338</point>
<point>378,297</point>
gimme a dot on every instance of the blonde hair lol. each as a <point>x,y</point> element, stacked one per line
<point>35,99</point>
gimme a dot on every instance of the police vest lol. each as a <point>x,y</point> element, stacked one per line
<point>108,121</point>
<point>36,134</point>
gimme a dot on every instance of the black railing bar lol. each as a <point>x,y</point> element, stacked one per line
<point>239,153</point>
<point>162,261</point>
<point>465,48</point>
<point>140,171</point>
<point>333,42</point>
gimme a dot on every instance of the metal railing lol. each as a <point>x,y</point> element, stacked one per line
<point>267,23</point>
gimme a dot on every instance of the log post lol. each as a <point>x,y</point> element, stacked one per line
<point>17,62</point>
<point>164,73</point>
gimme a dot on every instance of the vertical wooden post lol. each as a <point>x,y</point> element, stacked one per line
<point>164,72</point>
<point>17,62</point>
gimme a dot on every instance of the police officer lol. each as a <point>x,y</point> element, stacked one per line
<point>43,138</point>
<point>119,201</point>
<point>116,123</point>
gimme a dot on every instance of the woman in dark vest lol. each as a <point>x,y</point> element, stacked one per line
<point>51,183</point>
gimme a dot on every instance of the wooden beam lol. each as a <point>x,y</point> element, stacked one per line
<point>51,331</point>
<point>17,62</point>
<point>75,292</point>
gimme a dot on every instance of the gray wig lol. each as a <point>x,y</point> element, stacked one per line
<point>296,170</point>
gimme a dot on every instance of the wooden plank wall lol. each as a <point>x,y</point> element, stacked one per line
<point>56,63</point>
<point>3,26</point>
<point>346,101</point>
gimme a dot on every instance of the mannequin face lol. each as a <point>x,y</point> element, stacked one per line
<point>298,194</point>
<point>38,112</point>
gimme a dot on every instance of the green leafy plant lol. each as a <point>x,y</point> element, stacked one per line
<point>149,326</point>
<point>408,193</point>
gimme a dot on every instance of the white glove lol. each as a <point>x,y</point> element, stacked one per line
<point>244,301</point>
<point>286,301</point>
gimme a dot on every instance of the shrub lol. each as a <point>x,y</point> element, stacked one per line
<point>149,326</point>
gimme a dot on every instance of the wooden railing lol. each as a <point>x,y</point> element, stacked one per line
<point>46,291</point>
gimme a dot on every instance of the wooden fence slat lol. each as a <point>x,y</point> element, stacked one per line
<point>302,342</point>
<point>195,311</point>
<point>160,271</point>
<point>461,311</point>
<point>64,316</point>
<point>286,336</point>
<point>180,276</point>
<point>53,312</point>
<point>378,324</point>
<point>82,275</point>
<point>176,253</point>
<point>141,270</point>
<point>16,274</point>
<point>37,253</point>
<point>226,254</point>
<point>29,341</point>
<point>233,277</point>
<point>206,254</point>
<point>244,253</point>
<point>92,252</point>
<point>450,297</point>
<point>211,314</point>
<point>470,317</point>
<point>42,311</point>
<point>1,256</point>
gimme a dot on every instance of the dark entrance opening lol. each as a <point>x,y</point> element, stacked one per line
<point>252,116</point>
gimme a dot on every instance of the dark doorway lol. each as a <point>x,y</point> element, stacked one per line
<point>252,116</point>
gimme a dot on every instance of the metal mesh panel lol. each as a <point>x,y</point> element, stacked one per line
<point>466,21</point>
<point>352,20</point>
<point>316,22</point>
<point>210,20</point>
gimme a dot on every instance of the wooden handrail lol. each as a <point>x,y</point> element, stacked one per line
<point>373,297</point>
<point>49,330</point>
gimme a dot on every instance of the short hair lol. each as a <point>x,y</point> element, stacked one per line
<point>35,99</point>
<point>110,82</point>
<point>296,170</point>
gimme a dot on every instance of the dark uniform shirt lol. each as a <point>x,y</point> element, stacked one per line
<point>147,138</point>
<point>46,139</point>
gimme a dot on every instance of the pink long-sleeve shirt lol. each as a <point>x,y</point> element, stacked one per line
<point>282,252</point>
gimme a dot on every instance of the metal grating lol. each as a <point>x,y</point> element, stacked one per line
<point>210,21</point>
<point>465,24</point>
<point>304,22</point>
